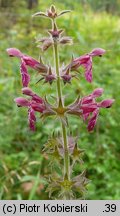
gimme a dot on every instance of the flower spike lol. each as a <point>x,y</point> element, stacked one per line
<point>62,150</point>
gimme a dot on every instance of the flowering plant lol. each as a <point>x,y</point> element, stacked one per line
<point>62,148</point>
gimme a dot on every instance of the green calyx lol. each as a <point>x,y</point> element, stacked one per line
<point>60,111</point>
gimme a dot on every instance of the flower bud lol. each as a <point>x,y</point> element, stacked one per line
<point>106,103</point>
<point>27,91</point>
<point>22,102</point>
<point>14,52</point>
<point>97,92</point>
<point>52,12</point>
<point>97,52</point>
<point>49,77</point>
<point>55,33</point>
<point>66,77</point>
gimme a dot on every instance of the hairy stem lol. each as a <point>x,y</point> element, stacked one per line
<point>57,71</point>
<point>64,132</point>
<point>66,153</point>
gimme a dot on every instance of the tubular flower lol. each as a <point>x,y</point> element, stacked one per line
<point>86,62</point>
<point>88,108</point>
<point>35,104</point>
<point>35,97</point>
<point>27,61</point>
<point>104,104</point>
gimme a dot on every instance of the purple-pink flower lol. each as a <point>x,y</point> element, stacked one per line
<point>88,108</point>
<point>103,104</point>
<point>89,105</point>
<point>35,104</point>
<point>86,62</point>
<point>27,61</point>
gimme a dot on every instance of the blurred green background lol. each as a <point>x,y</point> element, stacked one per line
<point>92,23</point>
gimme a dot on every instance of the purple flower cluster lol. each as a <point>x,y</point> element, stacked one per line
<point>86,62</point>
<point>26,61</point>
<point>88,108</point>
<point>34,104</point>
